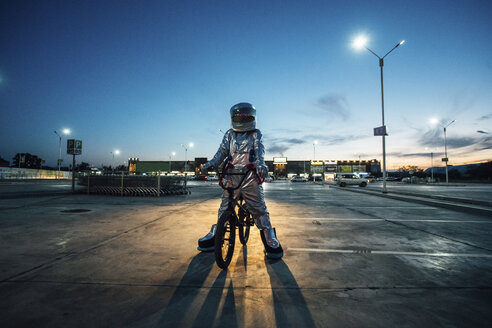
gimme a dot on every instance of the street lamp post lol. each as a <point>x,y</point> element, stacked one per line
<point>432,167</point>
<point>186,155</point>
<point>172,154</point>
<point>116,152</point>
<point>186,161</point>
<point>361,43</point>
<point>446,150</point>
<point>64,131</point>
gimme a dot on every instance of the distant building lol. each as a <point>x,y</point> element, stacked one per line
<point>279,167</point>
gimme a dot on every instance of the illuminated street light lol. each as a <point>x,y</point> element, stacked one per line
<point>434,120</point>
<point>115,152</point>
<point>446,149</point>
<point>171,157</point>
<point>190,145</point>
<point>445,159</point>
<point>66,132</point>
<point>359,43</point>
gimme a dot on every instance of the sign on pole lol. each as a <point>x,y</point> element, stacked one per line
<point>74,147</point>
<point>380,131</point>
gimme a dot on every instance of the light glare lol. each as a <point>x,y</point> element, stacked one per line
<point>66,131</point>
<point>434,120</point>
<point>360,42</point>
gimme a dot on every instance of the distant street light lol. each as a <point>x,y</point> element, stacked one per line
<point>360,43</point>
<point>432,165</point>
<point>446,149</point>
<point>172,155</point>
<point>116,152</point>
<point>358,163</point>
<point>66,132</point>
<point>190,145</point>
<point>445,159</point>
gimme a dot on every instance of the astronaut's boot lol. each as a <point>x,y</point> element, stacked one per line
<point>206,243</point>
<point>273,249</point>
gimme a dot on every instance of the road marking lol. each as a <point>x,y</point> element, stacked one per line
<point>395,220</point>
<point>397,207</point>
<point>368,251</point>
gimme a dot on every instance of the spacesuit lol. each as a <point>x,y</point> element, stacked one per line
<point>241,146</point>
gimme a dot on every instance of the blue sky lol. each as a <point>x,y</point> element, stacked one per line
<point>145,77</point>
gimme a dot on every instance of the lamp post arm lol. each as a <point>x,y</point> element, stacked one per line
<point>372,52</point>
<point>450,123</point>
<point>392,49</point>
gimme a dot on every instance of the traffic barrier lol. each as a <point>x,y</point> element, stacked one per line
<point>134,185</point>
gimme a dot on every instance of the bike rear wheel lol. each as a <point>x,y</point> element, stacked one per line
<point>225,239</point>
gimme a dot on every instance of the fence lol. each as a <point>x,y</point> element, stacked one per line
<point>13,173</point>
<point>129,185</point>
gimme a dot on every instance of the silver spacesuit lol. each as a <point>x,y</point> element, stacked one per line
<point>242,145</point>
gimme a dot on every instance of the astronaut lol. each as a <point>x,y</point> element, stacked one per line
<point>242,145</point>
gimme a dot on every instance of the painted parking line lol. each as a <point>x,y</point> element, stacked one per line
<point>391,220</point>
<point>368,251</point>
<point>397,207</point>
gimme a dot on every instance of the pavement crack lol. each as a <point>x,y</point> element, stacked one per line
<point>248,287</point>
<point>74,253</point>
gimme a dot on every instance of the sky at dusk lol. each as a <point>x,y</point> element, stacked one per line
<point>145,77</point>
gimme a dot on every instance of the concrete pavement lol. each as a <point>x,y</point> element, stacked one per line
<point>351,260</point>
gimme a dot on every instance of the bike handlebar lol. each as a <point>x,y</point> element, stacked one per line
<point>250,167</point>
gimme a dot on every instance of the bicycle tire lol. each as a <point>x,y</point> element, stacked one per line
<point>224,247</point>
<point>243,224</point>
<point>243,227</point>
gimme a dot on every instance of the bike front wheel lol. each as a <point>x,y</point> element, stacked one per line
<point>225,238</point>
<point>243,224</point>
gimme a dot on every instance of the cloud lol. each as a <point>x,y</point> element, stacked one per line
<point>432,138</point>
<point>281,145</point>
<point>278,149</point>
<point>435,138</point>
<point>485,117</point>
<point>335,104</point>
<point>333,139</point>
<point>414,154</point>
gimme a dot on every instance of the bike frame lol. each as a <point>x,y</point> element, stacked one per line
<point>232,201</point>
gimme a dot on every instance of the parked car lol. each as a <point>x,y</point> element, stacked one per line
<point>297,178</point>
<point>201,177</point>
<point>269,178</point>
<point>212,178</point>
<point>346,179</point>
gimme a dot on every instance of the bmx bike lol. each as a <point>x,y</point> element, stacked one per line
<point>236,216</point>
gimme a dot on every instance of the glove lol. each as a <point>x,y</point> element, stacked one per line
<point>262,171</point>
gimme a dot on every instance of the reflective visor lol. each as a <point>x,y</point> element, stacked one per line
<point>243,118</point>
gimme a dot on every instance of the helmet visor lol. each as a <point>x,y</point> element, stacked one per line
<point>242,118</point>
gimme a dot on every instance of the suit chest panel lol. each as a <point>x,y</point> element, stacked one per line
<point>242,144</point>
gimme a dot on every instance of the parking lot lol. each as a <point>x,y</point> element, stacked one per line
<point>351,259</point>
